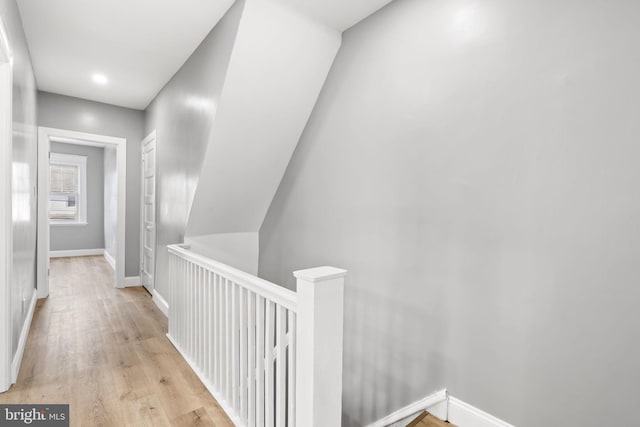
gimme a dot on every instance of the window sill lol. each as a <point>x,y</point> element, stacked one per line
<point>72,224</point>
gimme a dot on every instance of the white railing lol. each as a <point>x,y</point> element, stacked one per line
<point>270,356</point>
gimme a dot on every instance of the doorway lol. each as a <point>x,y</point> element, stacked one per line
<point>45,137</point>
<point>148,226</point>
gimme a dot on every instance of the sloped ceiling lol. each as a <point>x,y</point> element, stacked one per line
<point>138,45</point>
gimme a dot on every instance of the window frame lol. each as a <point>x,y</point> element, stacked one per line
<point>81,163</point>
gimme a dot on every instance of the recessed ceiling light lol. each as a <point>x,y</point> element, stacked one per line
<point>100,79</point>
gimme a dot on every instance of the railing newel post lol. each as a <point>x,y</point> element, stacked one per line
<point>319,336</point>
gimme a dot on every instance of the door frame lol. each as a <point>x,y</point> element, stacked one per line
<point>6,211</point>
<point>45,135</point>
<point>148,139</point>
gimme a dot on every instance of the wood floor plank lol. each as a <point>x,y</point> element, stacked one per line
<point>104,351</point>
<point>196,418</point>
<point>146,411</point>
<point>425,419</point>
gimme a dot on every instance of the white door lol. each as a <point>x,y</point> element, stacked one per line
<point>148,226</point>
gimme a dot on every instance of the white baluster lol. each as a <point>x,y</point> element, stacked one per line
<point>281,370</point>
<point>198,317</point>
<point>192,311</point>
<point>171,287</point>
<point>189,300</point>
<point>192,303</point>
<point>203,324</point>
<point>177,297</point>
<point>251,351</point>
<point>210,327</point>
<point>291,366</point>
<point>235,359</point>
<point>227,325</point>
<point>182,292</point>
<point>243,354</point>
<point>260,356</point>
<point>269,400</point>
<point>219,333</point>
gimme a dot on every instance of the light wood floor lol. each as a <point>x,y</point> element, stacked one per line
<point>427,420</point>
<point>103,350</point>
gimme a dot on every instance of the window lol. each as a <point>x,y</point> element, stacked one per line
<point>67,189</point>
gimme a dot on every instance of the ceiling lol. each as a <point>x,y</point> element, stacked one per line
<point>136,45</point>
<point>338,14</point>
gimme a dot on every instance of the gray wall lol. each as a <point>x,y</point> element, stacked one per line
<point>64,112</point>
<point>110,200</point>
<point>474,165</point>
<point>90,236</point>
<point>25,145</point>
<point>182,115</point>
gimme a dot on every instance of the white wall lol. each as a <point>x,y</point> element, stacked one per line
<point>279,63</point>
<point>183,114</point>
<point>474,166</point>
<point>65,112</point>
<point>24,170</point>
<point>110,200</point>
<point>281,55</point>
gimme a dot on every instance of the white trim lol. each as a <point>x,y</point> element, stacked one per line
<point>435,403</point>
<point>276,293</point>
<point>42,257</point>
<point>45,135</point>
<point>162,303</point>
<point>6,213</point>
<point>110,260</point>
<point>131,281</point>
<point>463,414</point>
<point>24,334</point>
<point>75,252</point>
<point>81,163</point>
<point>445,407</point>
<point>80,138</point>
<point>149,139</point>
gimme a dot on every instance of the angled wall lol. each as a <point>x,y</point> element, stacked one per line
<point>278,66</point>
<point>279,63</point>
<point>474,165</point>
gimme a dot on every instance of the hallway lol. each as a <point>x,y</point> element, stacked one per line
<point>103,351</point>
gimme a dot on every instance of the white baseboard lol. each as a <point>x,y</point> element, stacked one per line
<point>162,303</point>
<point>132,281</point>
<point>435,403</point>
<point>445,407</point>
<point>76,252</point>
<point>463,414</point>
<point>110,259</point>
<point>24,334</point>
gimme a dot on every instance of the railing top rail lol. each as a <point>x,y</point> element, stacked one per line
<point>264,288</point>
